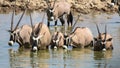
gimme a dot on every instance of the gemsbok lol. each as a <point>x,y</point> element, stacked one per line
<point>103,41</point>
<point>40,36</point>
<point>57,40</point>
<point>81,37</point>
<point>20,35</point>
<point>56,10</point>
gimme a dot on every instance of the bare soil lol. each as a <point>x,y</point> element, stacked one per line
<point>80,6</point>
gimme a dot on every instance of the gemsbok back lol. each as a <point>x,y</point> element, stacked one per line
<point>103,41</point>
<point>81,37</point>
<point>20,35</point>
<point>56,10</point>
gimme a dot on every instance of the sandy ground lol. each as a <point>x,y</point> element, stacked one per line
<point>80,6</point>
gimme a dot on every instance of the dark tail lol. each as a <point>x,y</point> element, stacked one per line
<point>119,10</point>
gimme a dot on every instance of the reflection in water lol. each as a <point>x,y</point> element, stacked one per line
<point>19,58</point>
<point>27,59</point>
<point>104,56</point>
<point>38,59</point>
<point>48,58</point>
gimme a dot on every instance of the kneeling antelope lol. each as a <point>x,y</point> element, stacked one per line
<point>40,36</point>
<point>57,40</point>
<point>56,11</point>
<point>20,35</point>
<point>103,41</point>
<point>81,37</point>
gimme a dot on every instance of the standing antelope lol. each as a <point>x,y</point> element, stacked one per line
<point>103,41</point>
<point>40,36</point>
<point>20,35</point>
<point>56,11</point>
<point>81,37</point>
<point>57,40</point>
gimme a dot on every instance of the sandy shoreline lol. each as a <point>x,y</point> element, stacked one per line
<point>80,6</point>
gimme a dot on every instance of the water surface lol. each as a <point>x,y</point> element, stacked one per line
<point>12,57</point>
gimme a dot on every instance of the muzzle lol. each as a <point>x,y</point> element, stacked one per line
<point>104,49</point>
<point>52,18</point>
<point>10,43</point>
<point>34,48</point>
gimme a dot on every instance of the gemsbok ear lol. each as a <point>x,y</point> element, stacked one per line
<point>95,38</point>
<point>109,39</point>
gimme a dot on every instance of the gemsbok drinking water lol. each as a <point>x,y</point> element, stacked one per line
<point>20,35</point>
<point>40,36</point>
<point>57,40</point>
<point>103,41</point>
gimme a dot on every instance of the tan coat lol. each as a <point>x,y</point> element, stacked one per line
<point>60,8</point>
<point>45,40</point>
<point>25,34</point>
<point>81,37</point>
<point>21,36</point>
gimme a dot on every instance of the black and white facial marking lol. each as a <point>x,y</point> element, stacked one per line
<point>50,11</point>
<point>13,37</point>
<point>100,44</point>
<point>55,42</point>
<point>36,42</point>
<point>67,43</point>
<point>56,39</point>
<point>50,14</point>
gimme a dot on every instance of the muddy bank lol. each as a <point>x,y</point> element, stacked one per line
<point>80,6</point>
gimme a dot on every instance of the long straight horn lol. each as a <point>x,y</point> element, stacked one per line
<point>47,4</point>
<point>98,31</point>
<point>20,19</point>
<point>40,25</point>
<point>54,3</point>
<point>76,22</point>
<point>14,8</point>
<point>38,29</point>
<point>105,32</point>
<point>43,17</point>
<point>31,20</point>
<point>12,20</point>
